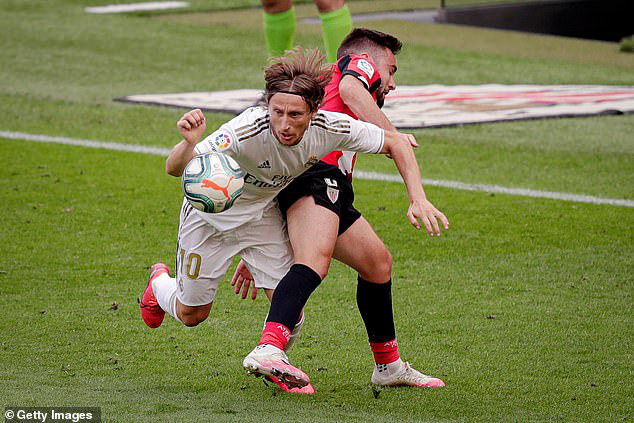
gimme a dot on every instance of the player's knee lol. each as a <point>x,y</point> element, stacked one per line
<point>323,266</point>
<point>319,263</point>
<point>323,272</point>
<point>276,6</point>
<point>384,266</point>
<point>387,264</point>
<point>194,317</point>
<point>379,268</point>
<point>325,6</point>
<point>191,321</point>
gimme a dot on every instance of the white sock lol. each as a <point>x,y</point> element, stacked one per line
<point>164,288</point>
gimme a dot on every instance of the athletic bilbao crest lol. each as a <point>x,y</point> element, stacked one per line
<point>332,190</point>
<point>333,194</point>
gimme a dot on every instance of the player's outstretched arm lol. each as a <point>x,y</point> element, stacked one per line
<point>398,145</point>
<point>192,126</point>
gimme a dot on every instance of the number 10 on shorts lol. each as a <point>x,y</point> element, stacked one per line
<point>192,268</point>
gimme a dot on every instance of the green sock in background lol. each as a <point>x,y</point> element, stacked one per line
<point>279,29</point>
<point>335,26</point>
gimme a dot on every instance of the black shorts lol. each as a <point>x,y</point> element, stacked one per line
<point>329,187</point>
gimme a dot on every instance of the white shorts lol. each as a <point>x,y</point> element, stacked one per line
<point>205,253</point>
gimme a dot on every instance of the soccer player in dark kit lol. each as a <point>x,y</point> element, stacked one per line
<point>323,223</point>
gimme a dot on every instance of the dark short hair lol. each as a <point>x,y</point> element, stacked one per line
<point>363,38</point>
<point>300,72</point>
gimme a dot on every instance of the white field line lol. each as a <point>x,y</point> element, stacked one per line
<point>374,176</point>
<point>135,7</point>
<point>564,196</point>
<point>133,148</point>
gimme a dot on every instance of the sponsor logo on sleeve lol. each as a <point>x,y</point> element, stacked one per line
<point>366,67</point>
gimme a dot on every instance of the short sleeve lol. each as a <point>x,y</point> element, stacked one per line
<point>362,69</point>
<point>364,138</point>
<point>349,134</point>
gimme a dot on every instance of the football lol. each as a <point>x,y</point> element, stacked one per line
<point>212,182</point>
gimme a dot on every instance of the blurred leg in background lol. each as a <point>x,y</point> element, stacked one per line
<point>280,24</point>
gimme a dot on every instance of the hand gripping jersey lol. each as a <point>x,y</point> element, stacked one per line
<point>366,72</point>
<point>269,165</point>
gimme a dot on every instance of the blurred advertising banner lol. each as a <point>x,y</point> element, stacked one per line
<point>431,106</point>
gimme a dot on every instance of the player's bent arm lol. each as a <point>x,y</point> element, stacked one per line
<point>178,158</point>
<point>191,126</point>
<point>399,147</point>
<point>360,101</point>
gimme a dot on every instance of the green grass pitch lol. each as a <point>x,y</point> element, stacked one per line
<point>524,307</point>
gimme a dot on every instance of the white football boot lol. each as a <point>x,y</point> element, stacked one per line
<point>268,360</point>
<point>402,373</point>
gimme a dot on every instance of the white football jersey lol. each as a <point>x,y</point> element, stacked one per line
<point>269,165</point>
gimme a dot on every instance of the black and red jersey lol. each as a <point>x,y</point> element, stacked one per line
<point>366,72</point>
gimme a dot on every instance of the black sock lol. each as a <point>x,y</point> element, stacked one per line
<point>375,305</point>
<point>291,295</point>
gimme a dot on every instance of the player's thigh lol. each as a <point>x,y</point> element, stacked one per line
<point>265,249</point>
<point>325,6</point>
<point>312,230</point>
<point>361,248</point>
<point>203,257</point>
<point>276,6</point>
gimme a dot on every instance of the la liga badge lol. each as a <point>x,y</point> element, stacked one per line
<point>366,67</point>
<point>222,141</point>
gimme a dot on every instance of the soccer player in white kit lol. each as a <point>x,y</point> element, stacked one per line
<point>272,145</point>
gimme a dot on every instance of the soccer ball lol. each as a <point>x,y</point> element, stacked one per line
<point>212,182</point>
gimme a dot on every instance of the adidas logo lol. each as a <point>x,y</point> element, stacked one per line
<point>264,165</point>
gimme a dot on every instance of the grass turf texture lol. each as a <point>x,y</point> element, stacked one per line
<point>524,307</point>
<point>627,44</point>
